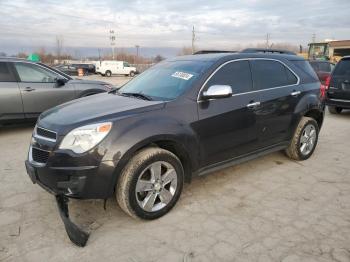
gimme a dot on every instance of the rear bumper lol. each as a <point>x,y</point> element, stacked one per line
<point>338,103</point>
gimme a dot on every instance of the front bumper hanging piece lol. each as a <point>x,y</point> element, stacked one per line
<point>75,234</point>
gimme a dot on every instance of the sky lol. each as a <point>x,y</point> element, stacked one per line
<point>154,23</point>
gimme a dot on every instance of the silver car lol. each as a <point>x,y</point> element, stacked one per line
<point>29,88</point>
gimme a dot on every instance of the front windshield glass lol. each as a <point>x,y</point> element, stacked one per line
<point>167,80</point>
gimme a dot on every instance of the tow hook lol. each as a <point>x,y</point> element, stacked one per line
<point>75,234</point>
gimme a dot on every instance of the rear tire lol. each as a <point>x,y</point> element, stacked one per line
<point>150,184</point>
<point>304,140</point>
<point>108,73</point>
<point>334,109</point>
<point>132,74</point>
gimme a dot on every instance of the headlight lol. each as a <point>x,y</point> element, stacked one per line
<point>84,138</point>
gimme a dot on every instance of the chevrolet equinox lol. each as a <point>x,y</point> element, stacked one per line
<point>186,116</point>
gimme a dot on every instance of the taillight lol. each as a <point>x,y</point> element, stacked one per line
<point>324,87</point>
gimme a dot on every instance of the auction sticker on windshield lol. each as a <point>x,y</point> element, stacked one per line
<point>182,75</point>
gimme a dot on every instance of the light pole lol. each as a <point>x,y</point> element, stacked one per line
<point>137,53</point>
<point>112,38</point>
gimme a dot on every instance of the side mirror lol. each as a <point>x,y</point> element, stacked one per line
<point>60,82</point>
<point>217,91</point>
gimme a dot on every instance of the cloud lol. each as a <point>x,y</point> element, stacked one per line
<point>222,23</point>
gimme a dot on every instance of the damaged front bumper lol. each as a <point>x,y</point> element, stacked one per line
<point>75,234</point>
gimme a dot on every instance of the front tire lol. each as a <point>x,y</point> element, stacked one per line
<point>334,109</point>
<point>304,141</point>
<point>150,184</point>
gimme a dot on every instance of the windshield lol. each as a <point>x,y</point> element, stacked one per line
<point>167,80</point>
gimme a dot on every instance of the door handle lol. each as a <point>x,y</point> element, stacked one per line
<point>253,105</point>
<point>295,93</point>
<point>29,89</point>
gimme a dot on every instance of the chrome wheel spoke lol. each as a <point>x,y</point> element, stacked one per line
<point>303,148</point>
<point>156,169</point>
<point>165,196</point>
<point>148,202</point>
<point>169,176</point>
<point>143,186</point>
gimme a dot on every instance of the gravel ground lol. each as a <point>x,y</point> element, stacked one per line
<point>268,209</point>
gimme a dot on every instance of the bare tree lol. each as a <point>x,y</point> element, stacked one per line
<point>59,46</point>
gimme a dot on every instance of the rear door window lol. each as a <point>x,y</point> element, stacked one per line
<point>269,74</point>
<point>5,73</point>
<point>235,74</point>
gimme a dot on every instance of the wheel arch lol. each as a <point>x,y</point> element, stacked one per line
<point>167,142</point>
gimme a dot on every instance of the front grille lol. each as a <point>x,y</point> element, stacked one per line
<point>46,133</point>
<point>40,156</point>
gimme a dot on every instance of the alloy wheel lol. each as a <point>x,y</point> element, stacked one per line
<point>156,186</point>
<point>308,139</point>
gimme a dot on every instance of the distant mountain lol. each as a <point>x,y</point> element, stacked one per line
<point>83,52</point>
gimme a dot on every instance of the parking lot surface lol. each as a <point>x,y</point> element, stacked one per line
<point>268,209</point>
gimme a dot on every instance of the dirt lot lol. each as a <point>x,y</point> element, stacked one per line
<point>269,209</point>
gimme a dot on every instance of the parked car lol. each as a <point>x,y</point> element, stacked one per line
<point>184,117</point>
<point>338,87</point>
<point>87,68</point>
<point>322,68</point>
<point>109,68</point>
<point>29,88</point>
<point>67,69</point>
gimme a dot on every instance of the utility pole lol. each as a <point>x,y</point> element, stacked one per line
<point>112,39</point>
<point>193,40</point>
<point>267,41</point>
<point>313,38</point>
<point>137,53</point>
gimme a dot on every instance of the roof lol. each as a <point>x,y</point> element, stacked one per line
<point>214,57</point>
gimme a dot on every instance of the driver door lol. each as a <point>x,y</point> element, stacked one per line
<point>39,89</point>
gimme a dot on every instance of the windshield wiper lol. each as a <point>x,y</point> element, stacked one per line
<point>137,95</point>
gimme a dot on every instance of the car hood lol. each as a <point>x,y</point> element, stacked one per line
<point>92,109</point>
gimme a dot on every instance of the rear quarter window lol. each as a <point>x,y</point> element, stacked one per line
<point>306,68</point>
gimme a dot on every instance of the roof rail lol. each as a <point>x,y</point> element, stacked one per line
<point>272,51</point>
<point>213,52</point>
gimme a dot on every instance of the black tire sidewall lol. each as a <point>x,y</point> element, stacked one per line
<point>301,155</point>
<point>180,180</point>
<point>108,73</point>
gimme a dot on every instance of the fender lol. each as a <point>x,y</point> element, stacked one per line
<point>309,102</point>
<point>140,133</point>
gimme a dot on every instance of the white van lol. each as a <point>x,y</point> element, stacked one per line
<point>109,68</point>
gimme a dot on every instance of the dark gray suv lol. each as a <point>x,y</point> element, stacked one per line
<point>28,88</point>
<point>184,117</point>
